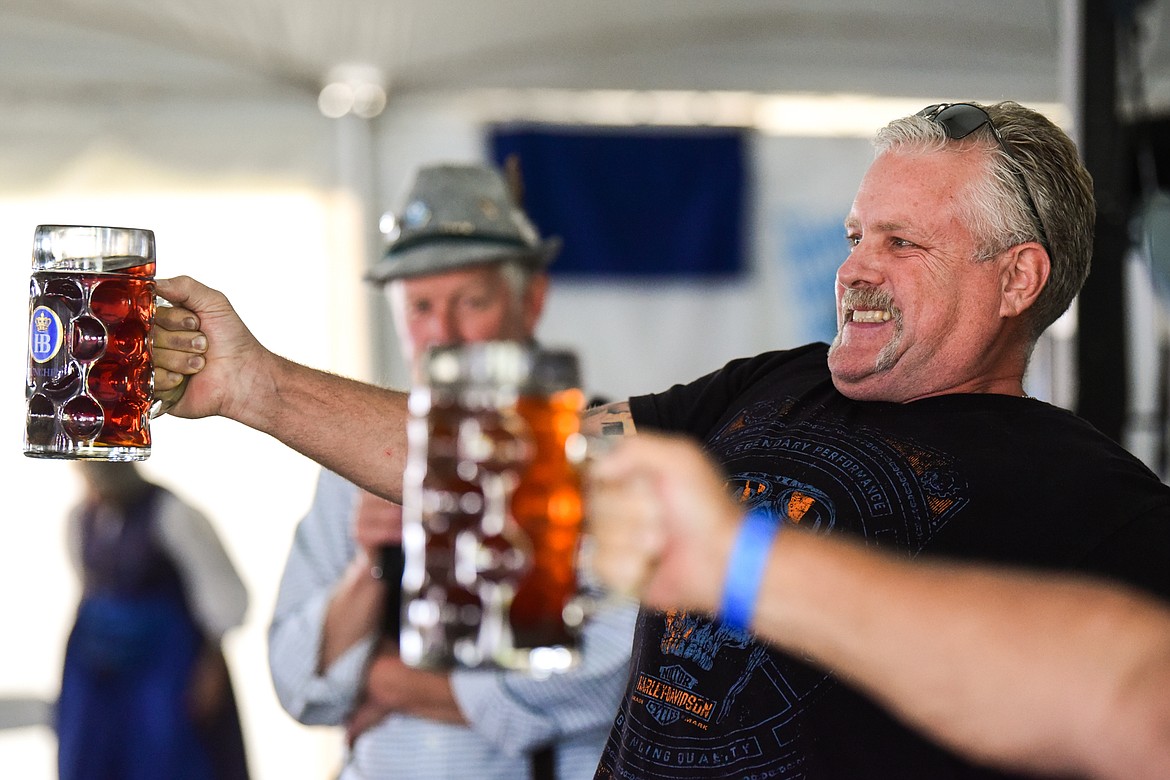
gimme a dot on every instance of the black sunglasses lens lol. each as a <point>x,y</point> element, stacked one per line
<point>958,119</point>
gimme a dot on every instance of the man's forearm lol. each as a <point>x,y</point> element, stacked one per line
<point>354,612</point>
<point>355,429</point>
<point>1006,666</point>
<point>392,688</point>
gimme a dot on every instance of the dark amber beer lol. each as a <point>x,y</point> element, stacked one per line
<point>90,380</point>
<point>489,576</point>
<point>548,506</point>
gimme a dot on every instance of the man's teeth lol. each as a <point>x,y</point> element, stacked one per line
<point>871,315</point>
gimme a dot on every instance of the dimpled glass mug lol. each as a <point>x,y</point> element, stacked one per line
<point>90,381</point>
<point>492,511</point>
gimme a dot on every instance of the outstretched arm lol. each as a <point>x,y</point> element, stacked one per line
<point>203,348</point>
<point>1044,673</point>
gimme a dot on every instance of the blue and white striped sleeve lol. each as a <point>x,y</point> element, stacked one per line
<point>322,548</point>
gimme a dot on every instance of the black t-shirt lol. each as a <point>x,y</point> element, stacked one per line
<point>978,477</point>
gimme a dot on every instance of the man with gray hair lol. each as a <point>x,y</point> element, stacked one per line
<point>912,433</point>
<point>463,264</point>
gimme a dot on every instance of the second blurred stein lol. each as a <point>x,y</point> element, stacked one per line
<point>492,511</point>
<point>547,504</point>
<point>90,380</point>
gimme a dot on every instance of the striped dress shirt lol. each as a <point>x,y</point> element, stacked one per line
<point>511,714</point>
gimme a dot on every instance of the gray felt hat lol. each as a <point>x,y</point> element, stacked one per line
<point>458,216</point>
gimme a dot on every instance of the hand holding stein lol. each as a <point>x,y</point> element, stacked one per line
<point>90,380</point>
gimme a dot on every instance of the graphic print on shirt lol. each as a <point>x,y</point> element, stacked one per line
<point>718,704</point>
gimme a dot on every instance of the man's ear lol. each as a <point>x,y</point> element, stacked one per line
<point>1025,273</point>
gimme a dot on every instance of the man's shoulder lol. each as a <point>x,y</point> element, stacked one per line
<point>802,366</point>
<point>811,358</point>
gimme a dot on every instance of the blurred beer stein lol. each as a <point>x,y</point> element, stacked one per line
<point>90,382</point>
<point>492,511</point>
<point>547,610</point>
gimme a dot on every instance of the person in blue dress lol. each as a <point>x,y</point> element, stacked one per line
<point>145,692</point>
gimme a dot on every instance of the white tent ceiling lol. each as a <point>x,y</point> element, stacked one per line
<point>85,51</point>
<point>135,70</point>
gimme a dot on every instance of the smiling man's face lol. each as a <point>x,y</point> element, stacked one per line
<point>917,315</point>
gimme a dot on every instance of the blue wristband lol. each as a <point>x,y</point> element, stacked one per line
<point>745,568</point>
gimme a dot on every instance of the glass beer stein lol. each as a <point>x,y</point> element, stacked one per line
<point>548,504</point>
<point>491,512</point>
<point>90,380</point>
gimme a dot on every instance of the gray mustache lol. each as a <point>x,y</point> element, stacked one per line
<point>867,298</point>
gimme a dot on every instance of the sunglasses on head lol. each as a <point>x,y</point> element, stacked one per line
<point>959,120</point>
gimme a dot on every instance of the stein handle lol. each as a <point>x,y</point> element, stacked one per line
<point>164,402</point>
<point>595,595</point>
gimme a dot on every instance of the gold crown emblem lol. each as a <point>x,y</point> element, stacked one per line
<point>42,322</point>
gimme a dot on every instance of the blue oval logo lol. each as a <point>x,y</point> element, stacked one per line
<point>45,334</point>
